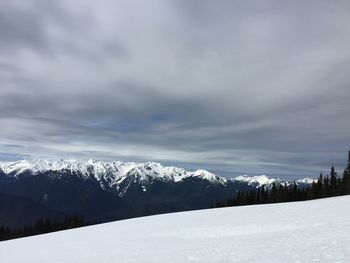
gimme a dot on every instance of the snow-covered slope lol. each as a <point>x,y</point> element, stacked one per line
<point>310,231</point>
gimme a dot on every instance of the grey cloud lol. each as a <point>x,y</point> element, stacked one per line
<point>19,28</point>
<point>235,87</point>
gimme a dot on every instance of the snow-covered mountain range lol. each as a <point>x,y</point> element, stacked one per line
<point>115,172</point>
<point>105,191</point>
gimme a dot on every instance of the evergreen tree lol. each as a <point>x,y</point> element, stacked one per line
<point>41,226</point>
<point>273,197</point>
<point>333,183</point>
<point>345,183</point>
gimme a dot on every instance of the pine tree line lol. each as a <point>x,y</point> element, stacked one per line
<point>325,186</point>
<point>41,226</point>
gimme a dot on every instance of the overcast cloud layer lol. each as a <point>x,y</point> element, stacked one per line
<point>237,87</point>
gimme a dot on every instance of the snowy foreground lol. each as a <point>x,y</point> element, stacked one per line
<point>312,231</point>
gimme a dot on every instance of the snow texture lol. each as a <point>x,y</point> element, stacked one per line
<point>310,231</point>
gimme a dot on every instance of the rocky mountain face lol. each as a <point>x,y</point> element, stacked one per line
<point>105,191</point>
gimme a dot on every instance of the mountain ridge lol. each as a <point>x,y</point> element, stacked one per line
<point>106,191</point>
<point>114,172</point>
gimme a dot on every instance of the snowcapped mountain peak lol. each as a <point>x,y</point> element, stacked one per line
<point>92,161</point>
<point>113,172</point>
<point>257,181</point>
<point>263,180</point>
<point>36,166</point>
<point>306,181</point>
<point>16,167</point>
<point>204,174</point>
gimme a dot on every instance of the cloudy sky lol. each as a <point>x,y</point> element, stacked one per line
<point>236,87</point>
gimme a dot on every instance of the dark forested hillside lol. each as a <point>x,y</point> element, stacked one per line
<point>19,210</point>
<point>325,186</point>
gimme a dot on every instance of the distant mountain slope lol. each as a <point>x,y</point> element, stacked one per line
<point>19,210</point>
<point>104,191</point>
<point>310,231</point>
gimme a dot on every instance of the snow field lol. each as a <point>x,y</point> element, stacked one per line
<point>311,231</point>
